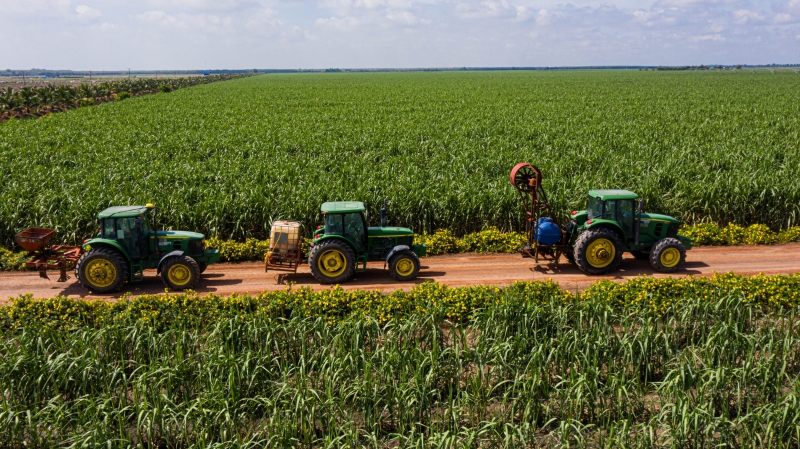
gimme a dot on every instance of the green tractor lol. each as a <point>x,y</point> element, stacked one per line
<point>346,241</point>
<point>595,239</point>
<point>613,223</point>
<point>128,243</point>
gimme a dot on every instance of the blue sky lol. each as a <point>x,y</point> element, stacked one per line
<point>192,34</point>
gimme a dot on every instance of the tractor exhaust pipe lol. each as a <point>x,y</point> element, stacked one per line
<point>638,220</point>
<point>383,214</point>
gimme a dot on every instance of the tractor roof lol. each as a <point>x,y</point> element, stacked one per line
<point>122,212</point>
<point>341,207</point>
<point>613,195</point>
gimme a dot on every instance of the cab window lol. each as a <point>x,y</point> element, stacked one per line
<point>594,208</point>
<point>109,229</point>
<point>333,224</point>
<point>354,229</point>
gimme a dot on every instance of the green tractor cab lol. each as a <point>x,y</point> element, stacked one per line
<point>595,238</point>
<point>129,243</point>
<point>613,223</point>
<point>345,243</point>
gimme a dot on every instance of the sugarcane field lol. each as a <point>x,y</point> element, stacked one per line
<point>509,258</point>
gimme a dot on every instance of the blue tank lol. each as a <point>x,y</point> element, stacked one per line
<point>547,232</point>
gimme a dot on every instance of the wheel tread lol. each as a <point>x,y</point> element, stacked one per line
<point>396,276</point>
<point>661,245</point>
<point>587,237</point>
<point>115,257</point>
<point>195,268</point>
<point>319,248</point>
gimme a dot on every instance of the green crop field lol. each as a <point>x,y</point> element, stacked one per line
<point>536,372</point>
<point>228,158</point>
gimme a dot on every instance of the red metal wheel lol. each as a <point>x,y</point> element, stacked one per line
<point>525,177</point>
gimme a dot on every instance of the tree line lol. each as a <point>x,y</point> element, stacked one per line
<point>35,101</point>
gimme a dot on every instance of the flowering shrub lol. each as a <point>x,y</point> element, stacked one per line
<point>11,261</point>
<point>647,294</point>
<point>733,234</point>
<point>789,235</point>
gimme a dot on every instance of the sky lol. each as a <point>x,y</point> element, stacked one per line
<point>304,34</point>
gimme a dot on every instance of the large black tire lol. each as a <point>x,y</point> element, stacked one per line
<point>598,251</point>
<point>404,265</point>
<point>332,261</point>
<point>180,273</point>
<point>668,255</point>
<point>202,266</point>
<point>102,270</point>
<point>641,254</point>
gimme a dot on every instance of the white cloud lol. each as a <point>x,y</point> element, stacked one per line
<point>87,12</point>
<point>405,17</point>
<point>200,22</point>
<point>743,16</point>
<point>782,18</point>
<point>543,17</point>
<point>708,37</point>
<point>337,23</point>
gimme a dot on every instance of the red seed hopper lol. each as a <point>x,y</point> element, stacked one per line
<point>47,257</point>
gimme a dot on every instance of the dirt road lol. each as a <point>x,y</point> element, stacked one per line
<point>453,270</point>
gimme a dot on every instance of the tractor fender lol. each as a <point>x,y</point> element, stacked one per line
<point>393,251</point>
<point>337,237</point>
<point>172,254</point>
<point>105,243</point>
<point>610,224</point>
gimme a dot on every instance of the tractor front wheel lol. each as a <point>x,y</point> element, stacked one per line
<point>180,273</point>
<point>598,251</point>
<point>332,261</point>
<point>668,255</point>
<point>102,270</point>
<point>202,266</point>
<point>404,266</point>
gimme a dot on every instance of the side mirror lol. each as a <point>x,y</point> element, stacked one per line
<point>641,204</point>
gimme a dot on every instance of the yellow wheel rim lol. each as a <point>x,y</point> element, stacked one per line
<point>100,272</point>
<point>179,274</point>
<point>670,257</point>
<point>332,263</point>
<point>404,267</point>
<point>600,253</point>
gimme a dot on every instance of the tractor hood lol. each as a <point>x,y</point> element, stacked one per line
<point>186,235</point>
<point>659,217</point>
<point>389,232</point>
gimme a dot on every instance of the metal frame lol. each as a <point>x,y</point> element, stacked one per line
<point>47,257</point>
<point>527,179</point>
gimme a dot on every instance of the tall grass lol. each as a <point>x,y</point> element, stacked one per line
<point>711,374</point>
<point>228,158</point>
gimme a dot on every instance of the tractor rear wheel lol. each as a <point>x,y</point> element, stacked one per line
<point>668,255</point>
<point>404,266</point>
<point>102,270</point>
<point>332,261</point>
<point>598,251</point>
<point>180,273</point>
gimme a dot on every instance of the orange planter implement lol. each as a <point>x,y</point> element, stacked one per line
<point>47,257</point>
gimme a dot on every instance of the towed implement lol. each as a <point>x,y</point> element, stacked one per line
<point>595,239</point>
<point>44,256</point>
<point>126,244</point>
